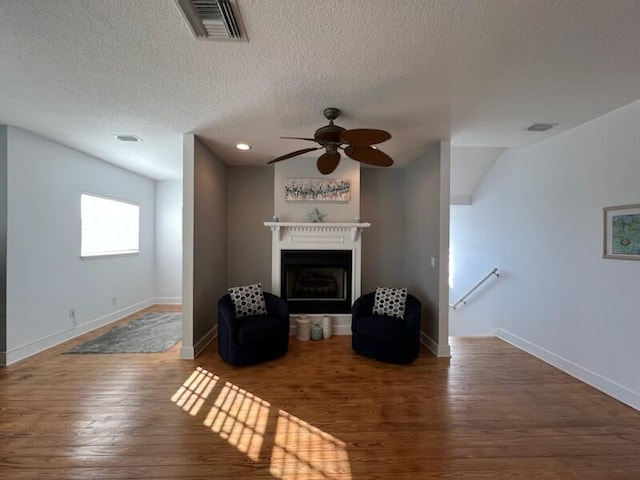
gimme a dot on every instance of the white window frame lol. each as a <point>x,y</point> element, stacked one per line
<point>119,251</point>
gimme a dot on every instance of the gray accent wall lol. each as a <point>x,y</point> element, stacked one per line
<point>3,242</point>
<point>382,198</point>
<point>426,240</point>
<point>303,167</point>
<point>250,204</point>
<point>409,214</point>
<point>209,239</point>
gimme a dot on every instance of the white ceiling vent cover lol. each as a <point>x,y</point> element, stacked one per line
<point>212,19</point>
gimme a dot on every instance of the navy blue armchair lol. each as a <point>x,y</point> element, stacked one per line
<point>256,338</point>
<point>382,337</point>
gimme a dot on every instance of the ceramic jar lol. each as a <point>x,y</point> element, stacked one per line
<point>303,331</point>
<point>316,332</point>
<point>326,326</point>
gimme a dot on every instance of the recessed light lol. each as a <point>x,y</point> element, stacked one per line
<point>128,138</point>
<point>541,127</point>
<point>243,146</point>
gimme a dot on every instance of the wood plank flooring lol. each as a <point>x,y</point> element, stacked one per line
<point>320,412</point>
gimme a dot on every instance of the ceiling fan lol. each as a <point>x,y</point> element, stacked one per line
<point>357,144</point>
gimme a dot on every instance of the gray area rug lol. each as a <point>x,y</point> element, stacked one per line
<point>153,332</point>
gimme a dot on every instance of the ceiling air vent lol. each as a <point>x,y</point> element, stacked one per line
<point>541,127</point>
<point>212,19</point>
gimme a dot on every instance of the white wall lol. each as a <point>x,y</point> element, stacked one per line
<point>538,217</point>
<point>45,274</point>
<point>306,168</point>
<point>168,223</point>
<point>469,165</point>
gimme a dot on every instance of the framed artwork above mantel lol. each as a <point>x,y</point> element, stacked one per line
<point>317,190</point>
<point>621,232</point>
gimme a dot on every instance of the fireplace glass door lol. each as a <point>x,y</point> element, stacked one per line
<point>316,281</point>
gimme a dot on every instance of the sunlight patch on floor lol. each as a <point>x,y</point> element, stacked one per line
<point>193,393</point>
<point>240,418</point>
<point>300,450</point>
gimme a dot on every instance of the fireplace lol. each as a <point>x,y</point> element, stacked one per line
<point>316,281</point>
<point>325,283</point>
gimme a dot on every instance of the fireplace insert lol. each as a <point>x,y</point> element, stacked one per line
<point>316,281</point>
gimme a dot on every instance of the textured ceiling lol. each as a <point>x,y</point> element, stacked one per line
<point>476,72</point>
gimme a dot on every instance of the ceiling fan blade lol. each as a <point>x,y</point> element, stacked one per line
<point>369,155</point>
<point>328,162</point>
<point>361,137</point>
<point>301,138</point>
<point>294,154</point>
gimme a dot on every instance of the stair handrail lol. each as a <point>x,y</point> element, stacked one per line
<point>475,287</point>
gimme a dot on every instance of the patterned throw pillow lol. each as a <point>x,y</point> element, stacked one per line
<point>248,300</point>
<point>390,301</point>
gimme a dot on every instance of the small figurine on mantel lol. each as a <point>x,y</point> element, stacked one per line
<point>315,216</point>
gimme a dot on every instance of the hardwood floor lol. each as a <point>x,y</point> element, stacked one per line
<point>489,412</point>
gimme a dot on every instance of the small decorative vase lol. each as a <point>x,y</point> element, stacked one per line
<point>316,332</point>
<point>326,326</point>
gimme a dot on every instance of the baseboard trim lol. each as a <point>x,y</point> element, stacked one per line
<point>605,385</point>
<point>341,329</point>
<point>190,353</point>
<point>430,344</point>
<point>461,200</point>
<point>31,348</point>
<point>434,347</point>
<point>205,340</point>
<point>341,324</point>
<point>444,351</point>
<point>168,300</point>
<point>187,353</point>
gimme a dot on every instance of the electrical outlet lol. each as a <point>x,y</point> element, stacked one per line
<point>114,300</point>
<point>433,262</point>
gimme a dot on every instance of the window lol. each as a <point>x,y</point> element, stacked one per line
<point>109,226</point>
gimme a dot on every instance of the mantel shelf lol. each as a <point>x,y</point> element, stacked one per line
<point>354,228</point>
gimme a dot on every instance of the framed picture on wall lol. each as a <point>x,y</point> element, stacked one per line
<point>622,232</point>
<point>317,190</point>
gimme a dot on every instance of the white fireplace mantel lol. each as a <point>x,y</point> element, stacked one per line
<point>281,229</point>
<point>319,236</point>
